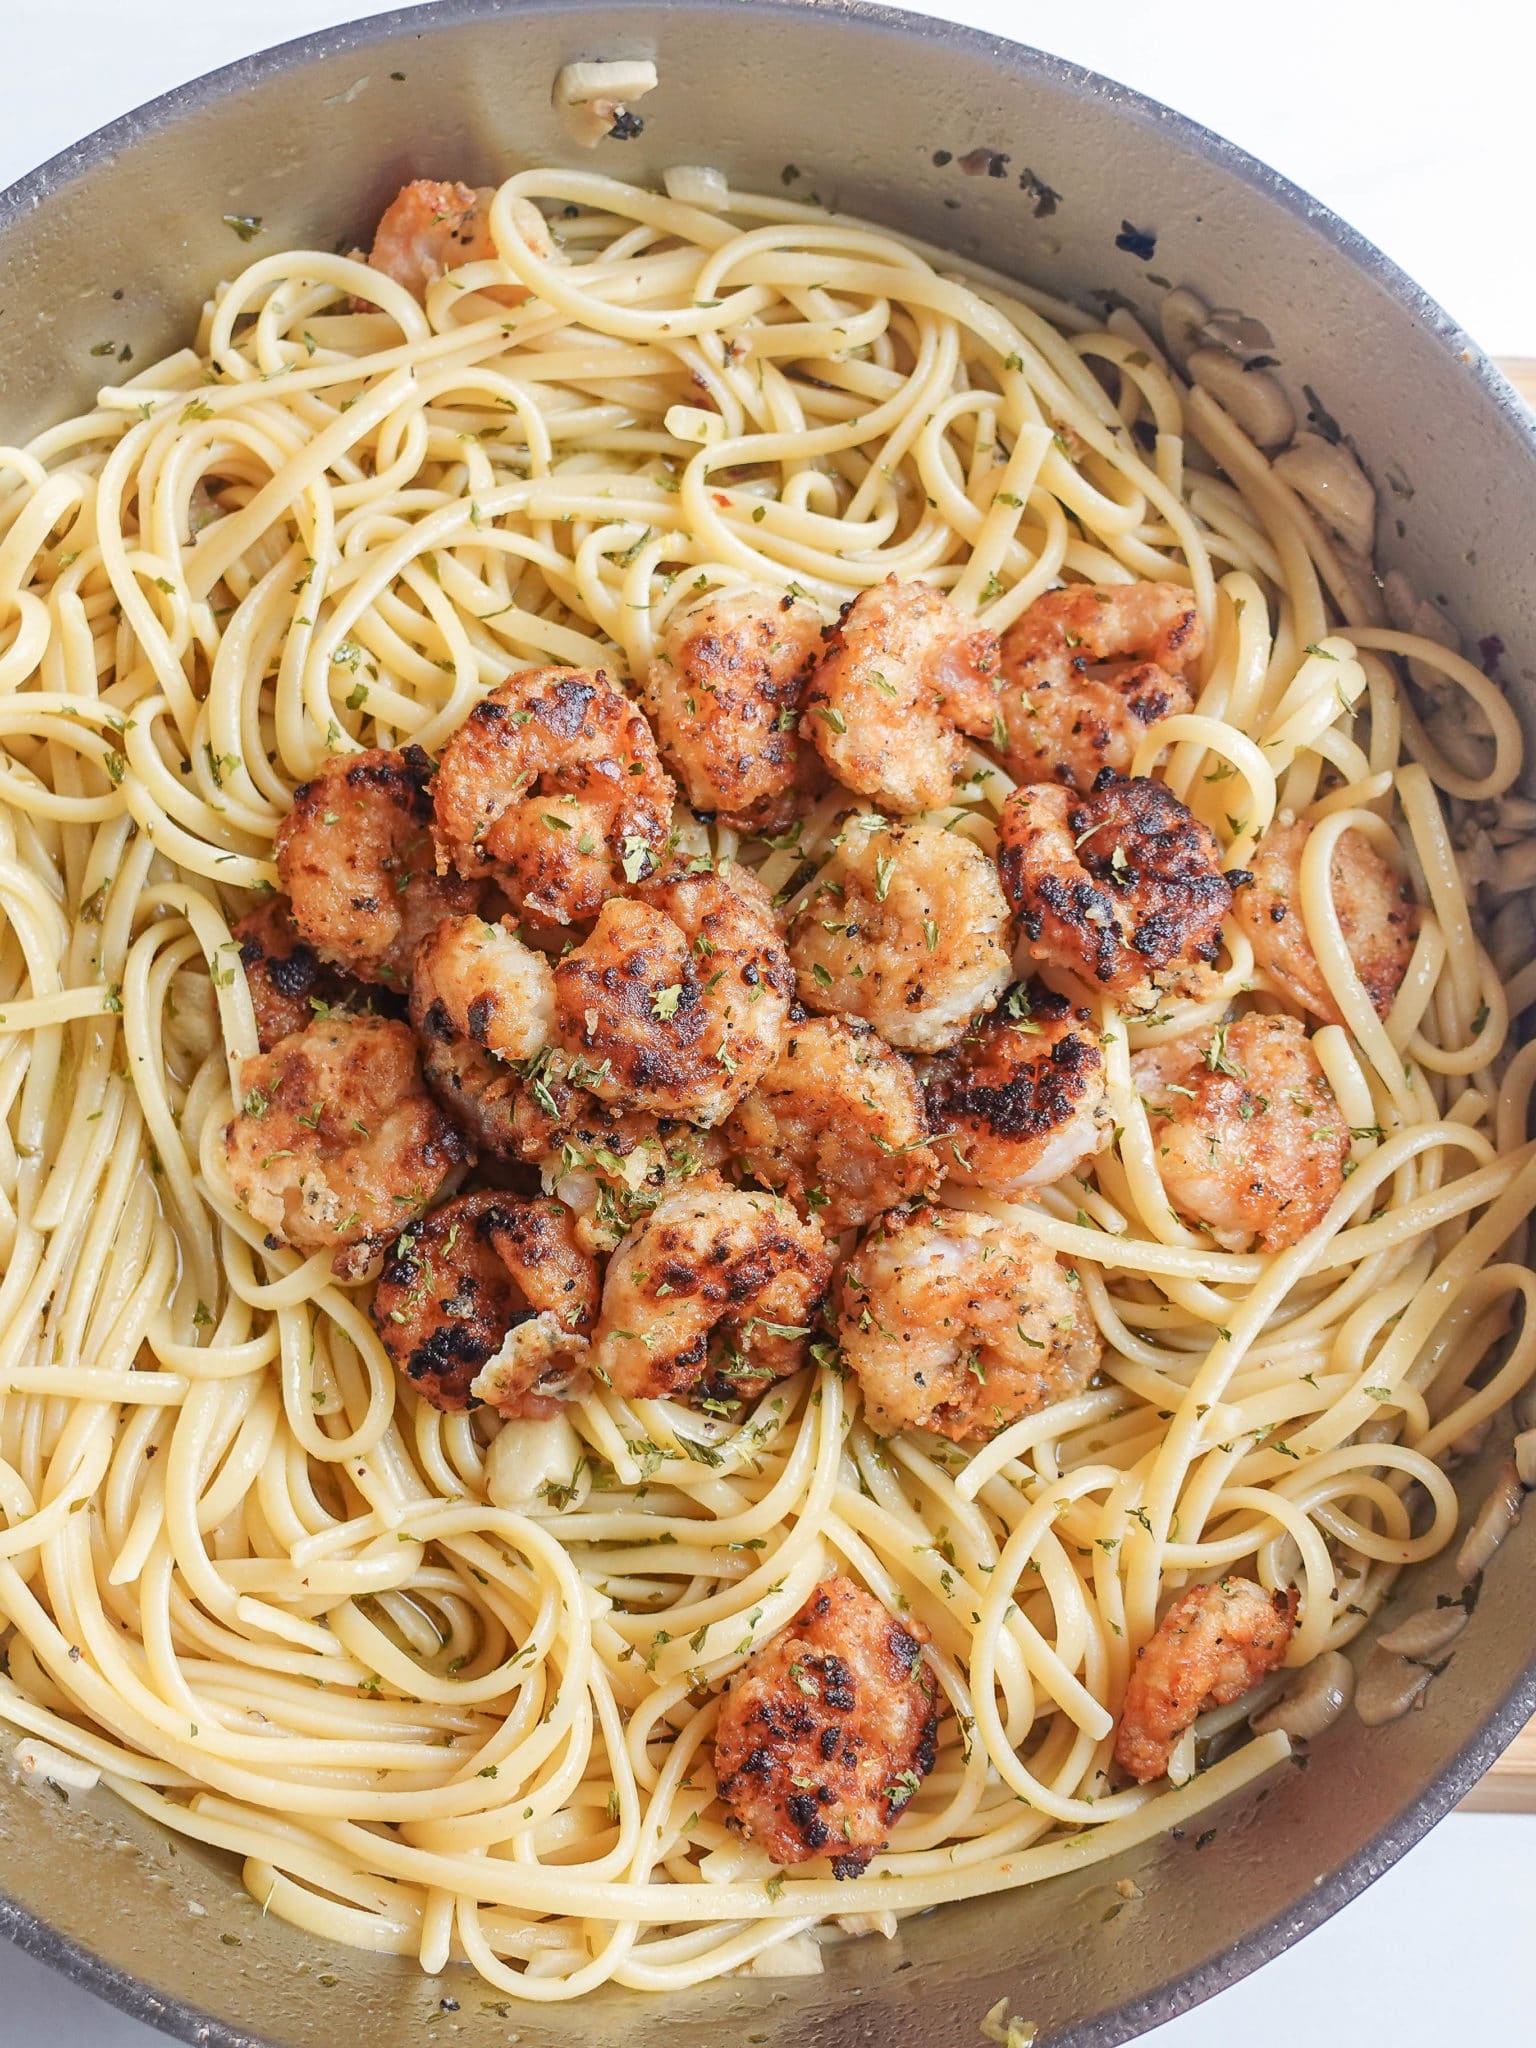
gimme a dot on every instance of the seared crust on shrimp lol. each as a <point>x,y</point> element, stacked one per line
<point>717,1290</point>
<point>1122,886</point>
<point>960,1324</point>
<point>1250,1141</point>
<point>904,676</point>
<point>289,982</point>
<point>837,1125</point>
<point>677,1002</point>
<point>908,929</point>
<point>1377,916</point>
<point>1087,670</point>
<point>355,855</point>
<point>1213,1645</point>
<point>725,694</point>
<point>827,1731</point>
<point>487,1299</point>
<point>484,1096</point>
<point>553,784</point>
<point>1022,1099</point>
<point>487,986</point>
<point>429,227</point>
<point>611,1167</point>
<point>336,1141</point>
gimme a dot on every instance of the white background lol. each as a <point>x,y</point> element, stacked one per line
<point>1411,118</point>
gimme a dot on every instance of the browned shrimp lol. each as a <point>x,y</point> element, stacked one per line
<point>485,985</point>
<point>488,1299</point>
<point>828,1730</point>
<point>677,1002</point>
<point>1250,1141</point>
<point>904,675</point>
<point>725,694</point>
<point>716,1290</point>
<point>554,785</point>
<point>1213,1645</point>
<point>486,1097</point>
<point>1377,916</point>
<point>429,227</point>
<point>959,1324</point>
<point>837,1125</point>
<point>611,1167</point>
<point>1122,886</point>
<point>1087,670</point>
<point>908,929</point>
<point>356,857</point>
<point>289,983</point>
<point>1021,1100</point>
<point>336,1140</point>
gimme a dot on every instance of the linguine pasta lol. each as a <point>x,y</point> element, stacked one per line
<point>448,1691</point>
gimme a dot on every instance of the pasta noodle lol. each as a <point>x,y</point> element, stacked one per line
<point>450,1694</point>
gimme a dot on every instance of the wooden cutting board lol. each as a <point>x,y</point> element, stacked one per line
<point>1510,1787</point>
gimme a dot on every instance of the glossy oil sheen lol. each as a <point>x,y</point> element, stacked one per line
<point>313,139</point>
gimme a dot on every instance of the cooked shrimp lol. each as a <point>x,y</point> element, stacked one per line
<point>677,1002</point>
<point>485,1096</point>
<point>1122,886</point>
<point>717,1290</point>
<point>1213,1645</point>
<point>907,929</point>
<point>1250,1141</point>
<point>904,675</point>
<point>429,227</point>
<point>611,1167</point>
<point>725,694</point>
<point>336,1141</point>
<point>828,1730</point>
<point>289,983</point>
<point>959,1324</point>
<point>607,1164</point>
<point>554,785</point>
<point>1377,916</point>
<point>1021,1100</point>
<point>488,1299</point>
<point>356,857</point>
<point>1087,670</point>
<point>486,985</point>
<point>837,1125</point>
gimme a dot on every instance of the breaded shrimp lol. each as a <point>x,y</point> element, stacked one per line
<point>960,1324</point>
<point>725,695</point>
<point>356,857</point>
<point>1122,886</point>
<point>716,1291</point>
<point>828,1730</point>
<point>1022,1099</point>
<point>289,983</point>
<point>482,983</point>
<point>336,1140</point>
<point>1213,1645</point>
<point>553,784</point>
<point>1377,916</point>
<point>677,1002</point>
<point>1087,670</point>
<point>486,1097</point>
<point>904,675</point>
<point>837,1125</point>
<point>610,1166</point>
<point>429,228</point>
<point>1250,1140</point>
<point>908,929</point>
<point>488,1299</point>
